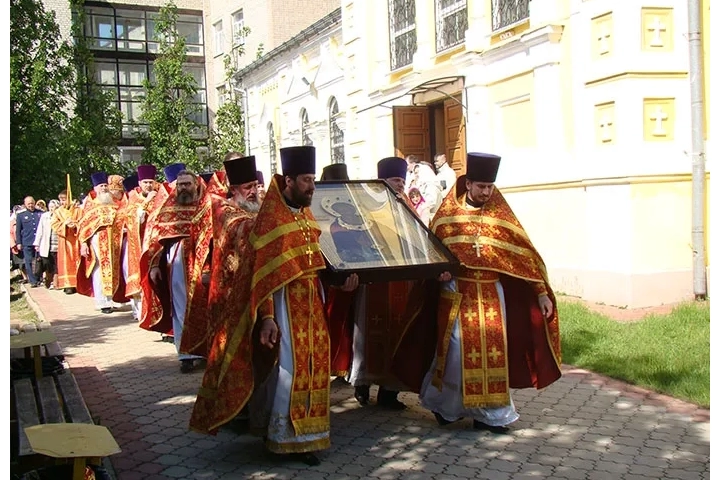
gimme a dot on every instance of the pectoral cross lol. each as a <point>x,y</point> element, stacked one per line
<point>478,246</point>
<point>309,254</point>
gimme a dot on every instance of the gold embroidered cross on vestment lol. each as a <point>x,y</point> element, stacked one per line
<point>305,229</point>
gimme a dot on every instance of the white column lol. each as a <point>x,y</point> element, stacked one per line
<point>479,24</point>
<point>543,12</point>
<point>479,134</point>
<point>425,35</point>
<point>548,103</point>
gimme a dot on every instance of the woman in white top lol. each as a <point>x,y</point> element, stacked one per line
<point>46,244</point>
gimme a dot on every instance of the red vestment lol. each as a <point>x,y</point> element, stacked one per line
<point>282,252</point>
<point>191,225</point>
<point>68,253</point>
<point>105,221</point>
<point>523,351</point>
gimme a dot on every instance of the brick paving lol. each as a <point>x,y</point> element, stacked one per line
<point>585,426</point>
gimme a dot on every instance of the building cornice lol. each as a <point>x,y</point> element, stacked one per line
<point>313,31</point>
<point>519,44</point>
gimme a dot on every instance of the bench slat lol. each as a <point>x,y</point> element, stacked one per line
<point>27,412</point>
<point>50,402</point>
<point>53,350</point>
<point>74,402</point>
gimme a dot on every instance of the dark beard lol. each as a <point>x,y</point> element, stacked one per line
<point>185,198</point>
<point>300,199</point>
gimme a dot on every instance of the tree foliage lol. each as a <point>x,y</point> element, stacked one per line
<point>39,95</point>
<point>61,121</point>
<point>96,128</point>
<point>167,130</point>
<point>228,134</point>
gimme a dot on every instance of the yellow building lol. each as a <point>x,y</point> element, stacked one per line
<point>587,102</point>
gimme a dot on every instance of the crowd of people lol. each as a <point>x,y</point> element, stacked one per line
<point>232,272</point>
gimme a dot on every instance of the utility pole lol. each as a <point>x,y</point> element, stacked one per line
<point>697,153</point>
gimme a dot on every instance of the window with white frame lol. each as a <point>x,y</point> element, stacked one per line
<point>403,33</point>
<point>218,38</point>
<point>238,28</point>
<point>337,136</point>
<point>451,22</point>
<point>305,127</point>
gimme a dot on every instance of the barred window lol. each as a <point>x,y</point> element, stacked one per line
<point>273,149</point>
<point>304,127</point>
<point>403,33</point>
<point>451,22</point>
<point>337,136</point>
<point>509,12</point>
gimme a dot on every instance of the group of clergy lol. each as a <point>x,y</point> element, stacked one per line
<point>233,273</point>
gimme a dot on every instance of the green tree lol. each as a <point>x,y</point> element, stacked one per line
<point>168,104</point>
<point>228,133</point>
<point>40,80</point>
<point>96,128</point>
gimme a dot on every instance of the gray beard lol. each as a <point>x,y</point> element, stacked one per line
<point>105,198</point>
<point>252,207</point>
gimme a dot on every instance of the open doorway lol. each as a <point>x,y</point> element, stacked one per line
<point>427,130</point>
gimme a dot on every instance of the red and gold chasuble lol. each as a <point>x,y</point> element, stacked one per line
<point>490,242</point>
<point>135,232</point>
<point>385,322</point>
<point>191,225</point>
<point>68,252</point>
<point>231,228</point>
<point>105,222</point>
<point>216,185</point>
<point>282,252</point>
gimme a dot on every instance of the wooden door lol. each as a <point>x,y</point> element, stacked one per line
<point>412,132</point>
<point>455,145</point>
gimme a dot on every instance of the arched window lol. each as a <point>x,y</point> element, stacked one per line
<point>337,136</point>
<point>304,126</point>
<point>273,149</point>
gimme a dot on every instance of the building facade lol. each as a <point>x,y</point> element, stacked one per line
<point>246,30</point>
<point>296,96</point>
<point>586,101</point>
<point>121,38</point>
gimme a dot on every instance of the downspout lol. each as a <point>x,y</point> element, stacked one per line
<point>246,121</point>
<point>697,152</point>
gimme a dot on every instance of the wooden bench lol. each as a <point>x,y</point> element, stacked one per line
<point>52,407</point>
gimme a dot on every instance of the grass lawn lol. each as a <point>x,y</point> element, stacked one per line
<point>20,311</point>
<point>666,353</point>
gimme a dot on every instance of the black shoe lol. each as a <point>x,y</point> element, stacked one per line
<point>69,291</point>
<point>106,310</point>
<point>362,394</point>
<point>442,421</point>
<point>308,458</point>
<point>388,399</point>
<point>477,425</point>
<point>186,366</point>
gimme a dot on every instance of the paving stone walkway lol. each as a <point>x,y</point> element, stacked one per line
<point>585,426</point>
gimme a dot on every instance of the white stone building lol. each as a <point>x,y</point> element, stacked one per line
<point>296,96</point>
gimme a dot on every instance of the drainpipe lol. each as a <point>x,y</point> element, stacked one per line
<point>697,149</point>
<point>246,114</point>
